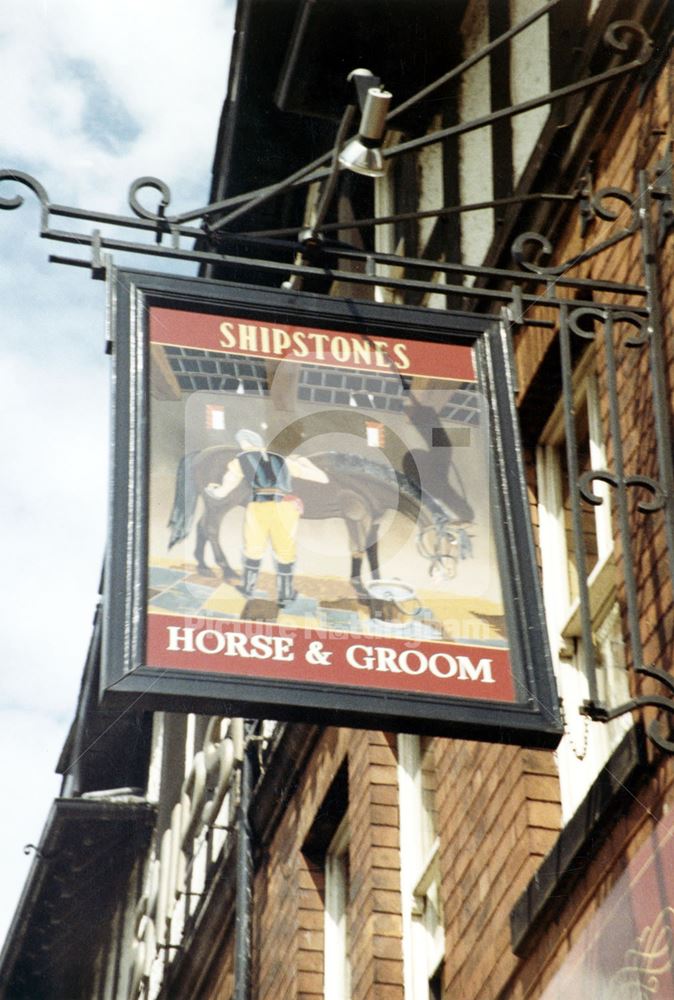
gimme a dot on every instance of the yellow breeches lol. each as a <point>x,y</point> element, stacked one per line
<point>271,522</point>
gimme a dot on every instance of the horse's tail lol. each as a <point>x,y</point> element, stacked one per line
<point>185,499</point>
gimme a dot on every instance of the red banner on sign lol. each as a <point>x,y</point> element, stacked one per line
<point>310,345</point>
<point>253,650</point>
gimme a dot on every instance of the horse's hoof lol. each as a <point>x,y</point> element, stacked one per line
<point>204,570</point>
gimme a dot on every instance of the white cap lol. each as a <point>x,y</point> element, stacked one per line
<point>245,438</point>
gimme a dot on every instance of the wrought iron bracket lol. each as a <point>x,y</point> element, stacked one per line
<point>622,36</point>
<point>599,712</point>
<point>500,286</point>
<point>592,206</point>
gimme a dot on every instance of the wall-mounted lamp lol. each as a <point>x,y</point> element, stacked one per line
<point>363,154</point>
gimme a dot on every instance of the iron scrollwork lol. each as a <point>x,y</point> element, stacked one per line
<point>618,33</point>
<point>545,249</point>
<point>28,181</point>
<point>591,206</point>
<point>616,318</point>
<point>599,712</point>
<point>645,482</point>
<point>156,185</point>
<point>39,853</point>
<point>640,333</point>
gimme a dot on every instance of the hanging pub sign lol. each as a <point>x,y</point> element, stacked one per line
<point>318,513</point>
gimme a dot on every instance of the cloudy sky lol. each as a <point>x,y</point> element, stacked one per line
<point>94,95</point>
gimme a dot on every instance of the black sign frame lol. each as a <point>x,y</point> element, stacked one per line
<point>533,719</point>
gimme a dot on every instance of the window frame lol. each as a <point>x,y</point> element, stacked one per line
<point>561,606</point>
<point>420,882</point>
<point>585,746</point>
<point>336,963</point>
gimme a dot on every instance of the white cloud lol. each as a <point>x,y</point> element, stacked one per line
<point>94,95</point>
<point>164,61</point>
<point>54,506</point>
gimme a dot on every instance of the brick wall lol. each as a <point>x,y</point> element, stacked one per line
<point>289,882</point>
<point>498,813</point>
<point>497,807</point>
<point>637,140</point>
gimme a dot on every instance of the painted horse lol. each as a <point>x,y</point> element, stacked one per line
<point>359,491</point>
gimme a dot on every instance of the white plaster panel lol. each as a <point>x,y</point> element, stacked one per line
<point>529,77</point>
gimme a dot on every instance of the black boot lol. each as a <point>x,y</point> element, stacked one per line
<point>251,571</point>
<point>285,592</point>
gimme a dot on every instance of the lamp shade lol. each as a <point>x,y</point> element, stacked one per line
<point>362,159</point>
<point>363,154</point>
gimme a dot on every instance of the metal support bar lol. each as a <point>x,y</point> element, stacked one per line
<point>663,191</point>
<point>499,274</point>
<point>98,242</point>
<point>161,223</point>
<point>661,396</point>
<point>473,60</point>
<point>312,171</point>
<point>662,490</point>
<point>330,182</point>
<point>537,102</point>
<point>621,489</point>
<point>429,213</point>
<point>477,294</point>
<point>576,513</point>
<point>601,713</point>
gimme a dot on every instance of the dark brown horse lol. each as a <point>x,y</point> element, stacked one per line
<point>359,491</point>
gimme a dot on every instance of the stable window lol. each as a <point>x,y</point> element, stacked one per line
<point>423,929</point>
<point>586,745</point>
<point>375,434</point>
